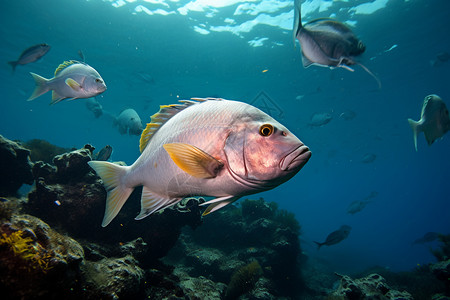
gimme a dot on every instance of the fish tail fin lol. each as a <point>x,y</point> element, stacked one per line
<point>318,245</point>
<point>41,86</point>
<point>371,74</point>
<point>13,64</point>
<point>415,128</point>
<point>117,192</point>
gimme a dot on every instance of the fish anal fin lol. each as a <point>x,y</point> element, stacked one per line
<point>151,202</point>
<point>306,62</point>
<point>193,160</point>
<point>218,203</point>
<point>56,98</point>
<point>73,84</point>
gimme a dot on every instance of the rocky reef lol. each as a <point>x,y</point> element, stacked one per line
<point>371,287</point>
<point>52,245</point>
<point>16,167</point>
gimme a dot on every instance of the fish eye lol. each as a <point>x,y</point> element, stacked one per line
<point>98,80</point>
<point>266,130</point>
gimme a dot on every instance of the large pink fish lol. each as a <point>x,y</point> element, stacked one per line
<point>208,147</point>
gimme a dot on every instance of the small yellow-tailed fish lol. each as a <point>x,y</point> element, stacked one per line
<point>73,79</point>
<point>204,147</point>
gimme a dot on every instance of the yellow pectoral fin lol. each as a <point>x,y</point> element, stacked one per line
<point>193,161</point>
<point>73,84</point>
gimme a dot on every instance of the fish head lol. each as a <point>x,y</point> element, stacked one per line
<point>135,126</point>
<point>93,82</point>
<point>263,153</point>
<point>44,48</point>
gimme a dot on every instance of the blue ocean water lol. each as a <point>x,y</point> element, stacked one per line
<point>192,53</point>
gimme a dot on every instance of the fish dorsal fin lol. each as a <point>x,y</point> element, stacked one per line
<point>163,115</point>
<point>65,65</point>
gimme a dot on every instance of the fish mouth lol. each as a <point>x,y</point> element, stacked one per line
<point>296,159</point>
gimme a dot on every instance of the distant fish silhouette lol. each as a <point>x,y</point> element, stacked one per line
<point>440,59</point>
<point>93,105</point>
<point>336,236</point>
<point>368,158</point>
<point>327,43</point>
<point>30,55</point>
<point>320,119</point>
<point>427,238</point>
<point>81,55</point>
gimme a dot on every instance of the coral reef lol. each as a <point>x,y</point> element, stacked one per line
<point>42,150</point>
<point>255,248</point>
<point>16,167</point>
<point>371,287</point>
<point>443,252</point>
<point>234,237</point>
<point>70,196</point>
<point>243,280</point>
<point>34,258</point>
<point>113,278</point>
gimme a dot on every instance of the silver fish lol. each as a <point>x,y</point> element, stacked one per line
<point>129,122</point>
<point>207,147</point>
<point>327,43</point>
<point>434,120</point>
<point>357,206</point>
<point>320,119</point>
<point>72,80</point>
<point>93,105</point>
<point>336,236</point>
<point>30,55</point>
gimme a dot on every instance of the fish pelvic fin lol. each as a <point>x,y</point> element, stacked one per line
<point>415,128</point>
<point>319,245</point>
<point>193,160</point>
<point>41,86</point>
<point>13,64</point>
<point>117,192</point>
<point>151,202</point>
<point>217,204</point>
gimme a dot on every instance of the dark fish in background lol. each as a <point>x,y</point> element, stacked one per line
<point>358,205</point>
<point>129,122</point>
<point>145,77</point>
<point>81,55</point>
<point>427,238</point>
<point>93,105</point>
<point>336,236</point>
<point>347,115</point>
<point>434,120</point>
<point>327,43</point>
<point>368,158</point>
<point>320,119</point>
<point>440,59</point>
<point>105,153</point>
<point>30,55</point>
